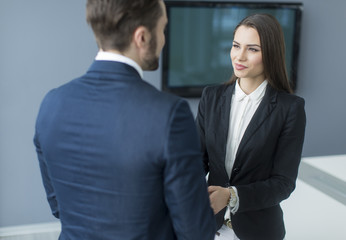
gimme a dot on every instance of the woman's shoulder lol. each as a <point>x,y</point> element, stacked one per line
<point>289,101</point>
<point>289,98</point>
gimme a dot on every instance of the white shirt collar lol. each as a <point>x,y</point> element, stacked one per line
<point>254,96</point>
<point>109,56</point>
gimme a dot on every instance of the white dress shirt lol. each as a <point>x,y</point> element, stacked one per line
<point>243,107</point>
<point>109,56</point>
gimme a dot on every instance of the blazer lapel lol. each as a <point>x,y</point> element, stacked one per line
<point>225,108</point>
<point>223,123</point>
<point>263,111</point>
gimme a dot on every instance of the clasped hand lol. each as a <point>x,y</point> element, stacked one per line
<point>218,197</point>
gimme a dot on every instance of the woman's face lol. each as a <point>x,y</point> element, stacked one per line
<point>246,54</point>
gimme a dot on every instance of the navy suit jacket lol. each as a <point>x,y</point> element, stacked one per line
<point>267,160</point>
<point>121,160</point>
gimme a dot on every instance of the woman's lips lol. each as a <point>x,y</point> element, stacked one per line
<point>239,66</point>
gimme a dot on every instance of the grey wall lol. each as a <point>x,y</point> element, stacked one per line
<point>45,43</point>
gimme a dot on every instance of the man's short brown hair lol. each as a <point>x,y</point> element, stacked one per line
<point>114,21</point>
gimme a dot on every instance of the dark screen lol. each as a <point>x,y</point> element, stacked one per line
<point>199,39</point>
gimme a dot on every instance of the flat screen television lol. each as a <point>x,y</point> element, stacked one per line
<point>199,37</point>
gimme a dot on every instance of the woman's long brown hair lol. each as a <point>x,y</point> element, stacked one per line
<point>272,47</point>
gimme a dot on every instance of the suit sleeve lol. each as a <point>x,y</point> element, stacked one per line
<point>45,178</point>
<point>185,187</point>
<point>280,185</point>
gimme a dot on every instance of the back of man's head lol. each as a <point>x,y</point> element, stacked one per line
<point>114,21</point>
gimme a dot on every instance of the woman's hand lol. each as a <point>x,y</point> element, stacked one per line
<point>218,197</point>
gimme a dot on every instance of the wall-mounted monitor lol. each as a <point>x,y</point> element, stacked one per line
<point>199,38</point>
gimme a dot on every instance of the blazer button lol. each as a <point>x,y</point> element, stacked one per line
<point>236,170</point>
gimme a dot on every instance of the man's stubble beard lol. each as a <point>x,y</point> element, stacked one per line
<point>151,61</point>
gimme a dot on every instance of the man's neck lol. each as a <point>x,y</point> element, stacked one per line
<point>128,53</point>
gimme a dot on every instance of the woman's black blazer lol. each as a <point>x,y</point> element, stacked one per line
<point>267,160</point>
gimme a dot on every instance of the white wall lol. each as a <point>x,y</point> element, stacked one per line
<point>45,43</point>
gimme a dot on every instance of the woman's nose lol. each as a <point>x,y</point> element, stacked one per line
<point>241,55</point>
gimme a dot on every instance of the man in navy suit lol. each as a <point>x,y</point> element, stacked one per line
<point>120,159</point>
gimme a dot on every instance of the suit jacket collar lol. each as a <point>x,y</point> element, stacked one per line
<point>110,56</point>
<point>112,67</point>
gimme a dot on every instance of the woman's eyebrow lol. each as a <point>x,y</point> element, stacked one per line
<point>249,45</point>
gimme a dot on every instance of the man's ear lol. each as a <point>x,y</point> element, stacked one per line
<point>141,37</point>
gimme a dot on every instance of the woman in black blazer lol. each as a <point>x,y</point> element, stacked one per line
<point>252,133</point>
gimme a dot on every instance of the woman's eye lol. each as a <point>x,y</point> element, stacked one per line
<point>235,46</point>
<point>253,49</point>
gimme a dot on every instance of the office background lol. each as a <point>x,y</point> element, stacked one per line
<point>45,43</point>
